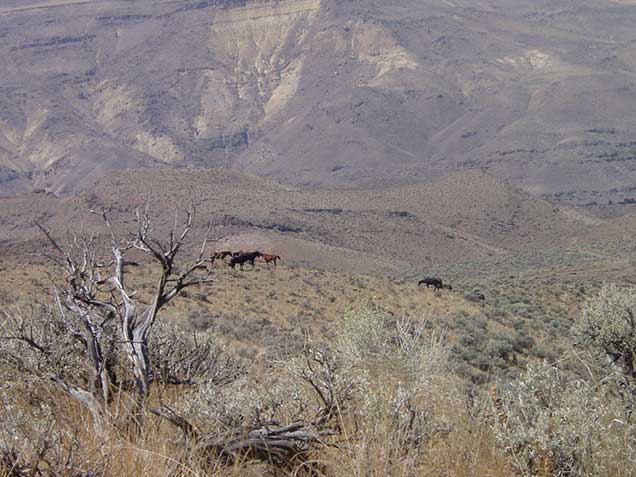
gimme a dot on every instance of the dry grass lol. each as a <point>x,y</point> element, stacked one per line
<point>283,301</point>
<point>462,442</point>
<point>468,450</point>
<point>370,448</point>
<point>266,314</point>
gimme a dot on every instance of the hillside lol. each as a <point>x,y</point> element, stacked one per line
<point>322,93</point>
<point>402,231</point>
<point>368,144</point>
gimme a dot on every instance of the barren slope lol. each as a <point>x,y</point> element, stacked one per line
<point>322,92</point>
<point>403,231</point>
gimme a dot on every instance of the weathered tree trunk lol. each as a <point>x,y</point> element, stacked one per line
<point>87,399</point>
<point>95,302</point>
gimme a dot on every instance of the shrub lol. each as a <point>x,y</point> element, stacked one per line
<point>402,362</point>
<point>423,355</point>
<point>608,329</point>
<point>551,423</point>
<point>362,335</point>
<point>367,336</point>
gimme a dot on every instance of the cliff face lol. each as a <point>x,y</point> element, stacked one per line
<point>322,92</point>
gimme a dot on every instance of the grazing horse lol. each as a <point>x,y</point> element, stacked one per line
<point>243,258</point>
<point>270,258</point>
<point>434,282</point>
<point>219,255</point>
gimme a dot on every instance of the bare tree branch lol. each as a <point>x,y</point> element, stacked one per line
<point>96,296</point>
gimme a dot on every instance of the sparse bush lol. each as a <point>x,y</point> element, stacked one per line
<point>369,335</point>
<point>36,435</point>
<point>184,356</point>
<point>552,424</point>
<point>423,354</point>
<point>500,351</point>
<point>242,418</point>
<point>362,335</point>
<point>404,363</point>
<point>201,321</point>
<point>523,342</point>
<point>608,329</point>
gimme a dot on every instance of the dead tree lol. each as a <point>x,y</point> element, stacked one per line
<point>284,445</point>
<point>136,323</point>
<point>103,316</point>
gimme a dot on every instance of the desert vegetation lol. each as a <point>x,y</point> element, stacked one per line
<point>97,381</point>
<point>370,144</point>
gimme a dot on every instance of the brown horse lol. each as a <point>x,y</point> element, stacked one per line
<point>219,255</point>
<point>270,258</point>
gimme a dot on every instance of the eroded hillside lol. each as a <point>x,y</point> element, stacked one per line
<point>322,92</point>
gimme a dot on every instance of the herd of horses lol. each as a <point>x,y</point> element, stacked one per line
<point>240,258</point>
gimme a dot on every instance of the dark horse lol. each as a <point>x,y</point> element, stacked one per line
<point>434,282</point>
<point>243,258</point>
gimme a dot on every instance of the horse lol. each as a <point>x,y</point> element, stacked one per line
<point>270,258</point>
<point>243,258</point>
<point>434,282</point>
<point>219,255</point>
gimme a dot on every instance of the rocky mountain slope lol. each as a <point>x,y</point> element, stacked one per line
<point>322,93</point>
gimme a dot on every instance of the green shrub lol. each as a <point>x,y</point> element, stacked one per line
<point>367,336</point>
<point>362,335</point>
<point>608,327</point>
<point>548,420</point>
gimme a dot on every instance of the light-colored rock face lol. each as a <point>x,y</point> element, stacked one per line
<point>375,45</point>
<point>532,59</point>
<point>321,92</point>
<point>262,48</point>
